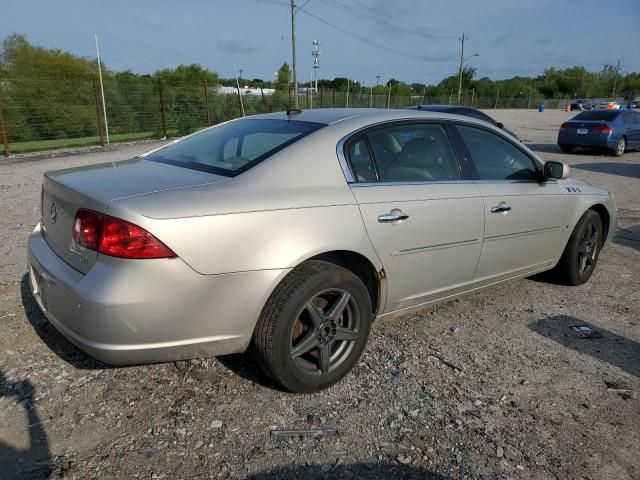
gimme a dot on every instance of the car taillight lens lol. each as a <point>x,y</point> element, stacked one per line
<point>565,126</point>
<point>86,229</point>
<point>116,237</point>
<point>603,129</point>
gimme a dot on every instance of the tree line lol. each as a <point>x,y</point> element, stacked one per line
<point>50,93</point>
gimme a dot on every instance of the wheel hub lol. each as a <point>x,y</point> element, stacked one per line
<point>327,332</point>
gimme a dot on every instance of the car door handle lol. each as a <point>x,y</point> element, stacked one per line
<point>392,217</point>
<point>501,208</point>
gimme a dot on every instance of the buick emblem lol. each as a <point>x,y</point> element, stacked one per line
<point>54,212</point>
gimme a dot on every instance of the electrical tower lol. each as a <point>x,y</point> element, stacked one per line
<point>316,62</point>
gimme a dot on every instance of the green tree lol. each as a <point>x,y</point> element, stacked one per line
<point>283,78</point>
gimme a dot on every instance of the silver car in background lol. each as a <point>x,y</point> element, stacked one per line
<point>288,233</point>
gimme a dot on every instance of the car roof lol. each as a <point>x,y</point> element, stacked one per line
<point>329,116</point>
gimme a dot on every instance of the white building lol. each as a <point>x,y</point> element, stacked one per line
<point>246,91</point>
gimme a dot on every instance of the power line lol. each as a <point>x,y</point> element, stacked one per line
<point>414,29</point>
<point>383,22</point>
<point>362,39</point>
<point>420,31</point>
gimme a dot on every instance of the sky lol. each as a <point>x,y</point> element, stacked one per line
<point>410,40</point>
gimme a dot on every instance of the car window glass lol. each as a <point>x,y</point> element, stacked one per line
<point>414,152</point>
<point>479,115</point>
<point>233,147</point>
<point>495,158</point>
<point>361,161</point>
<point>606,115</point>
<point>230,148</point>
<point>255,144</point>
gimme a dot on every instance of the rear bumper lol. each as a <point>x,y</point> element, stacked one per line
<point>145,311</point>
<point>588,140</point>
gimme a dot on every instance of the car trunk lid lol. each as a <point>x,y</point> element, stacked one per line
<point>64,192</point>
<point>585,126</point>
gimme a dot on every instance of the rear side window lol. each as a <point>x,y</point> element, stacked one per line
<point>413,152</point>
<point>232,148</point>
<point>361,161</point>
<point>495,158</point>
<point>605,115</point>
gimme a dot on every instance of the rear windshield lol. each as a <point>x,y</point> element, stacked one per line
<point>606,115</point>
<point>232,148</point>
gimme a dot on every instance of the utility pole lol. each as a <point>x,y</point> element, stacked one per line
<point>615,81</point>
<point>377,80</point>
<point>104,105</point>
<point>294,10</point>
<point>293,52</point>
<point>240,70</point>
<point>461,60</point>
<point>316,62</point>
<point>239,93</point>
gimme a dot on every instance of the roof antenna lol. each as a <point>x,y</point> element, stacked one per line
<point>293,111</point>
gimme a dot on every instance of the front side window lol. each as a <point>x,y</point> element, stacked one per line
<point>413,152</point>
<point>495,158</point>
<point>234,147</point>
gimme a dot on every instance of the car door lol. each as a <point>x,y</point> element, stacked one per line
<point>631,125</point>
<point>524,215</point>
<point>421,211</point>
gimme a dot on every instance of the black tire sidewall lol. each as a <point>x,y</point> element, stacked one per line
<point>288,373</point>
<point>575,277</point>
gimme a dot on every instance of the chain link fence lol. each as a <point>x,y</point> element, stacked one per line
<point>44,113</point>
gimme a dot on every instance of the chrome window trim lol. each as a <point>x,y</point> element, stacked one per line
<point>446,182</point>
<point>412,182</point>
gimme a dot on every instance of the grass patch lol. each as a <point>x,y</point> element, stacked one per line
<point>40,145</point>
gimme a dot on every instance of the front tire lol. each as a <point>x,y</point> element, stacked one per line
<point>314,327</point>
<point>581,253</point>
<point>620,147</point>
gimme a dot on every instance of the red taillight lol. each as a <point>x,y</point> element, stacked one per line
<point>115,237</point>
<point>565,126</point>
<point>606,129</point>
<point>86,229</point>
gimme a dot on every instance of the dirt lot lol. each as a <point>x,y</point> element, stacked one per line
<point>494,385</point>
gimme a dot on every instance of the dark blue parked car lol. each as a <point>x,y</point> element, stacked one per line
<point>613,130</point>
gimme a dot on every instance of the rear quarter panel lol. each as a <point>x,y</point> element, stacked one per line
<point>292,206</point>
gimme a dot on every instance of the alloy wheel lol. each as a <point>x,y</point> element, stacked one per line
<point>325,331</point>
<point>621,146</point>
<point>587,248</point>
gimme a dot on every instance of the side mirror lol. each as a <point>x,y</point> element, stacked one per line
<point>500,125</point>
<point>557,170</point>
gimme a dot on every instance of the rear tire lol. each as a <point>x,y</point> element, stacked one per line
<point>314,327</point>
<point>581,253</point>
<point>620,147</point>
<point>566,148</point>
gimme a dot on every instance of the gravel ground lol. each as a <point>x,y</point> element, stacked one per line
<point>494,385</point>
